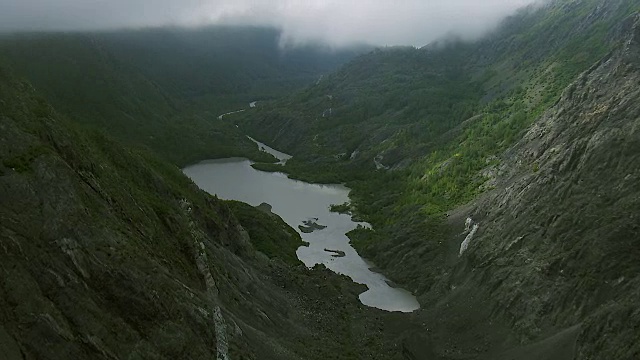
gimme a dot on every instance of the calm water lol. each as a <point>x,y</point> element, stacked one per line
<point>296,202</point>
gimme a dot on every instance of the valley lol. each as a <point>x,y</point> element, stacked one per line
<point>494,183</point>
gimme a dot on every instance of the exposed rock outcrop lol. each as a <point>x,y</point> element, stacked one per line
<point>553,271</point>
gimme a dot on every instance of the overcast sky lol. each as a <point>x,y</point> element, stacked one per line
<point>380,22</point>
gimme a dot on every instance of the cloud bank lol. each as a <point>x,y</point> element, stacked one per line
<point>338,22</point>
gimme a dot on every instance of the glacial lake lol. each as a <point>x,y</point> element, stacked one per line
<point>296,202</point>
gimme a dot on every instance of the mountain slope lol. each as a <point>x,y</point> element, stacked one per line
<point>406,108</point>
<point>108,253</point>
<point>577,172</point>
<point>164,88</point>
<point>90,85</point>
<point>501,179</point>
<point>538,147</point>
<point>223,64</point>
<point>554,255</point>
<point>412,160</point>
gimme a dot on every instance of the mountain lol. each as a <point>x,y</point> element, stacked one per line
<point>110,253</point>
<point>400,104</point>
<point>554,252</point>
<point>530,134</point>
<point>501,178</point>
<point>164,88</point>
<point>222,64</point>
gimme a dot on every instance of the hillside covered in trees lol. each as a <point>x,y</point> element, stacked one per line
<point>164,88</point>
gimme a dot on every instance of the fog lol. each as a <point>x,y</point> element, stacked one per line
<point>337,22</point>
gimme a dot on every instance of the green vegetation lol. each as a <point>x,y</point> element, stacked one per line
<point>266,232</point>
<point>107,239</point>
<point>163,89</point>
<point>22,162</point>
<point>107,233</point>
<point>437,116</point>
<point>268,167</point>
<point>341,208</point>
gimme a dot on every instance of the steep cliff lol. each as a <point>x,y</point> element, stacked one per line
<point>548,260</point>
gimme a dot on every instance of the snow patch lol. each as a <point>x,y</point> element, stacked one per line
<point>468,224</point>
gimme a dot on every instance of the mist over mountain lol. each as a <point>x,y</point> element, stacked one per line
<point>338,23</point>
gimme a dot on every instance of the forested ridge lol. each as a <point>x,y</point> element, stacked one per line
<point>164,88</point>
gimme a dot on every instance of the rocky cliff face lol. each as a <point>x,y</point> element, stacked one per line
<point>559,238</point>
<point>551,269</point>
<point>106,253</point>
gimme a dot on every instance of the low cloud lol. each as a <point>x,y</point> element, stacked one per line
<point>338,22</point>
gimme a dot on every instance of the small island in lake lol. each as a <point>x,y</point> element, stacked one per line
<point>336,253</point>
<point>310,226</point>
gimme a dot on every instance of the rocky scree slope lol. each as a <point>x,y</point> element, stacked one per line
<point>107,253</point>
<point>551,270</point>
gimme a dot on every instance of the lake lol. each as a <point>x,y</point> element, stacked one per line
<point>297,202</point>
